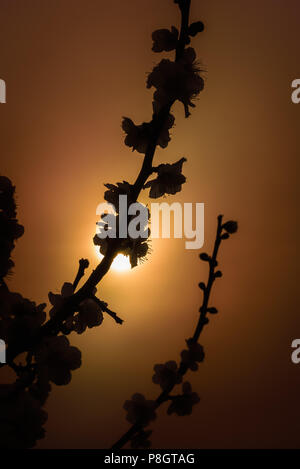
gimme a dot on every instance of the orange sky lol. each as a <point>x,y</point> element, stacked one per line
<point>73,68</point>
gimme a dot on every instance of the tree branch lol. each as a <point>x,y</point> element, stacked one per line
<point>111,313</point>
<point>83,264</point>
<point>53,325</point>
<point>202,322</point>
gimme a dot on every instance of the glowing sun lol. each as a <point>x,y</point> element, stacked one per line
<point>120,264</point>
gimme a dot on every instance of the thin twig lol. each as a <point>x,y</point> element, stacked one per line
<point>202,322</point>
<point>111,313</point>
<point>83,264</point>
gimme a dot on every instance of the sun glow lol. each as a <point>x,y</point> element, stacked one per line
<point>120,264</point>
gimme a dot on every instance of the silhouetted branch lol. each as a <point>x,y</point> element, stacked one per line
<point>104,308</point>
<point>195,351</point>
<point>158,123</point>
<point>83,264</point>
<point>49,356</point>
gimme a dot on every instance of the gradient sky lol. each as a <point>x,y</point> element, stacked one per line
<point>73,68</point>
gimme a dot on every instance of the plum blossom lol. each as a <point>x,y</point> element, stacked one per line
<point>164,137</point>
<point>57,300</point>
<point>179,80</point>
<point>137,251</point>
<point>139,409</point>
<point>89,315</point>
<point>10,229</point>
<point>114,191</point>
<point>169,179</point>
<point>139,136</point>
<point>102,243</point>
<point>40,388</point>
<point>19,317</point>
<point>57,359</point>
<point>166,375</point>
<point>183,405</point>
<point>89,311</point>
<point>165,40</point>
<point>135,248</point>
<point>21,418</point>
<point>107,227</point>
<point>7,203</point>
<point>192,356</point>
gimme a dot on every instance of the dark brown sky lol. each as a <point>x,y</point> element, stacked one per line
<point>73,68</point>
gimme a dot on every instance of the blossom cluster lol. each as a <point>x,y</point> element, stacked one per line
<point>48,359</point>
<point>183,405</point>
<point>140,409</point>
<point>19,317</point>
<point>169,375</point>
<point>180,80</point>
<point>136,248</point>
<point>21,418</point>
<point>169,179</point>
<point>11,230</point>
<point>51,361</point>
<point>138,137</point>
<point>55,359</point>
<point>89,312</point>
